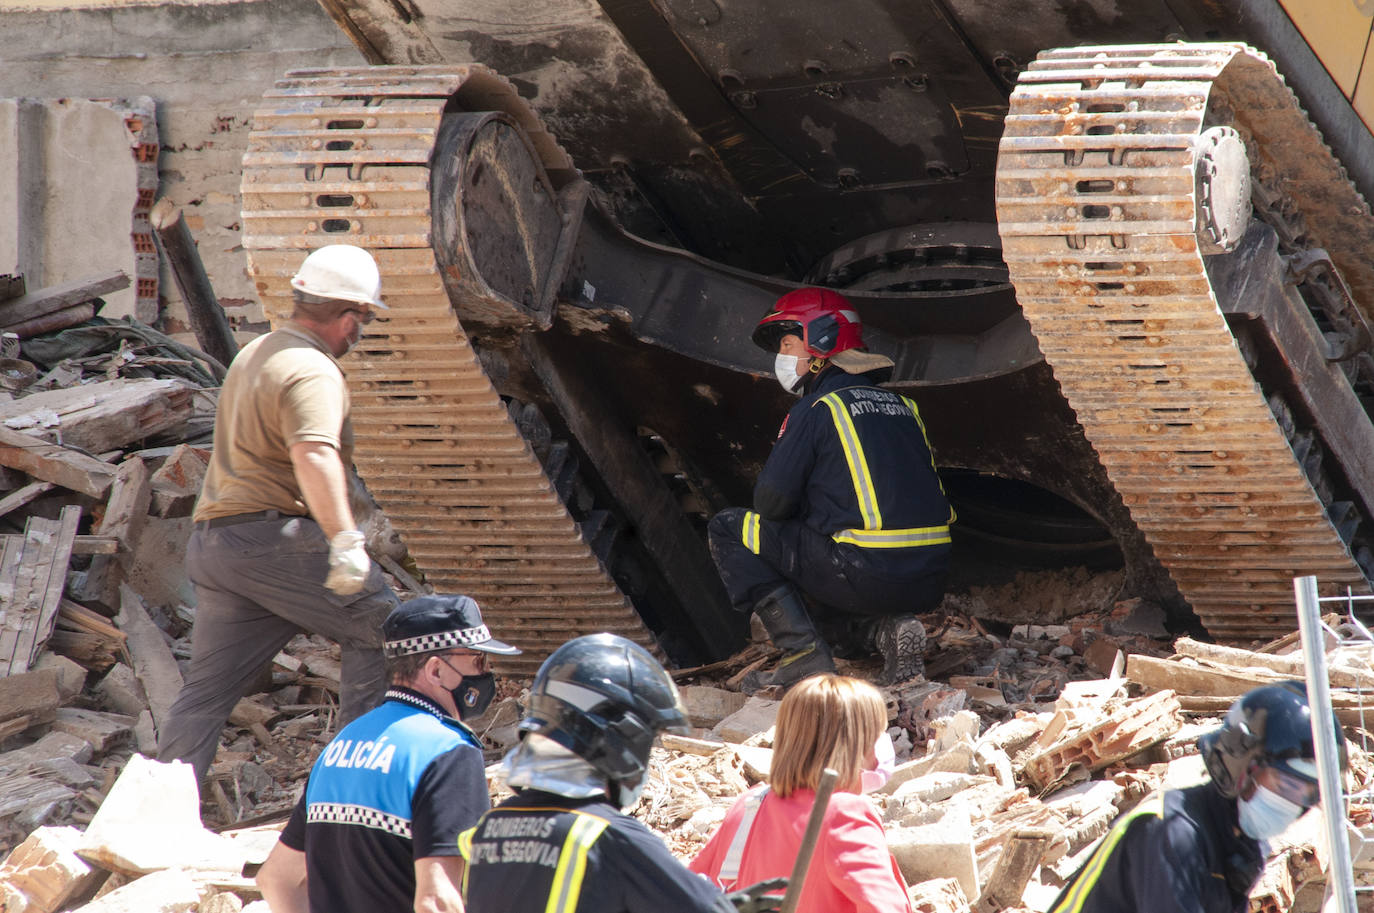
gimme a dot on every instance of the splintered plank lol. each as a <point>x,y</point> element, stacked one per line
<point>54,463</point>
<point>32,575</point>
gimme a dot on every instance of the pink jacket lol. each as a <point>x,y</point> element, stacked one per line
<point>851,870</point>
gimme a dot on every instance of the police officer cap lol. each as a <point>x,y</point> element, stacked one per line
<point>438,622</point>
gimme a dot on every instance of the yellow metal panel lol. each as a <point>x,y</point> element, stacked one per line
<point>1337,32</point>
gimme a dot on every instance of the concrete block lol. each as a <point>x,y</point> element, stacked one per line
<point>71,675</point>
<point>940,850</point>
<point>938,895</point>
<point>223,902</point>
<point>157,569</point>
<point>757,715</point>
<point>939,786</point>
<point>757,761</point>
<point>43,872</point>
<point>955,728</point>
<point>177,482</point>
<point>958,759</point>
<point>145,734</point>
<point>168,891</point>
<point>707,706</point>
<point>121,692</point>
<point>1082,798</point>
<point>151,821</point>
<point>994,762</point>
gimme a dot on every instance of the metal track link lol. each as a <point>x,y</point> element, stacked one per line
<point>343,156</point>
<point>1095,203</point>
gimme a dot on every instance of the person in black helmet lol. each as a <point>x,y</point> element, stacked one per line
<point>377,827</point>
<point>848,510</point>
<point>561,844</point>
<point>1201,849</point>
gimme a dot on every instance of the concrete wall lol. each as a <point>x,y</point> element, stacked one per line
<point>206,66</point>
<point>80,176</point>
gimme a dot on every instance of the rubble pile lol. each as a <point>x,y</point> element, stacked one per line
<point>1039,723</point>
<point>1001,790</point>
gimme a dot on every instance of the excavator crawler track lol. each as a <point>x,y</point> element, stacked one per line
<point>1095,202</point>
<point>343,156</point>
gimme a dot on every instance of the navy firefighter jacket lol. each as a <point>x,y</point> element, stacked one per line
<point>1181,851</point>
<point>852,462</point>
<point>397,784</point>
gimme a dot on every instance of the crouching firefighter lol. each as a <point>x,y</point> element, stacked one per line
<point>848,508</point>
<point>561,844</point>
<point>1201,849</point>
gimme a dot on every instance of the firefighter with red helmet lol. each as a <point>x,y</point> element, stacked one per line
<point>848,509</point>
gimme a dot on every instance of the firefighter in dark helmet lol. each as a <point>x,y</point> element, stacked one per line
<point>1201,849</point>
<point>848,509</point>
<point>562,843</point>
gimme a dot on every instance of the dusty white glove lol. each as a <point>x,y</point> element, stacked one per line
<point>348,562</point>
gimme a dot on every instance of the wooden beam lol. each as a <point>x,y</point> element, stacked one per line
<point>101,416</point>
<point>60,297</point>
<point>57,320</point>
<point>86,545</point>
<point>126,513</point>
<point>202,306</point>
<point>21,496</point>
<point>55,463</point>
<point>154,664</point>
<point>1019,859</point>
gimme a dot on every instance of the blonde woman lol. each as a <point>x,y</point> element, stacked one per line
<point>824,721</point>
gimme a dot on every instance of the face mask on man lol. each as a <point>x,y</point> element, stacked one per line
<point>787,370</point>
<point>885,759</point>
<point>473,695</point>
<point>1266,814</point>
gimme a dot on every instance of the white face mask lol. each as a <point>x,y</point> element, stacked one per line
<point>1266,814</point>
<point>886,759</point>
<point>785,368</point>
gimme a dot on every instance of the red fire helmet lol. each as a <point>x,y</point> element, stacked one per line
<point>825,320</point>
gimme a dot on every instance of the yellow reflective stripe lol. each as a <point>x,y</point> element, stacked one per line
<point>750,531</point>
<point>465,850</point>
<point>1087,878</point>
<point>894,538</point>
<point>916,414</point>
<point>854,456</point>
<point>572,864</point>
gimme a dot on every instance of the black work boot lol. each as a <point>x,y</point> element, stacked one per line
<point>790,628</point>
<point>902,641</point>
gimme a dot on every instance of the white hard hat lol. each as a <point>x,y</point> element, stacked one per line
<point>341,271</point>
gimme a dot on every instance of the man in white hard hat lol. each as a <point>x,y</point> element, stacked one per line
<point>275,549</point>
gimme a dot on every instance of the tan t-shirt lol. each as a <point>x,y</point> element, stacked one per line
<point>282,389</point>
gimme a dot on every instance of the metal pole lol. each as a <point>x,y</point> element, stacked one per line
<point>809,840</point>
<point>1341,878</point>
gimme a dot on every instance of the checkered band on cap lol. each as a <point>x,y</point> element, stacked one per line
<point>360,815</point>
<point>428,643</point>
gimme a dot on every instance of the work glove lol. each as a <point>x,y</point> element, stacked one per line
<point>753,900</point>
<point>348,563</point>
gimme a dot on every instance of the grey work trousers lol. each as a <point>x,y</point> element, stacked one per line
<point>258,584</point>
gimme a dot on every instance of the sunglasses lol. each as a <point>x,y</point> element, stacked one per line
<point>481,660</point>
<point>364,317</point>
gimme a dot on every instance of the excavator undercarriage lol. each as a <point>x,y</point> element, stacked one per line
<point>1136,327</point>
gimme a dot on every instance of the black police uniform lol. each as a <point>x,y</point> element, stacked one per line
<point>848,507</point>
<point>1182,852</point>
<point>540,852</point>
<point>397,784</point>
